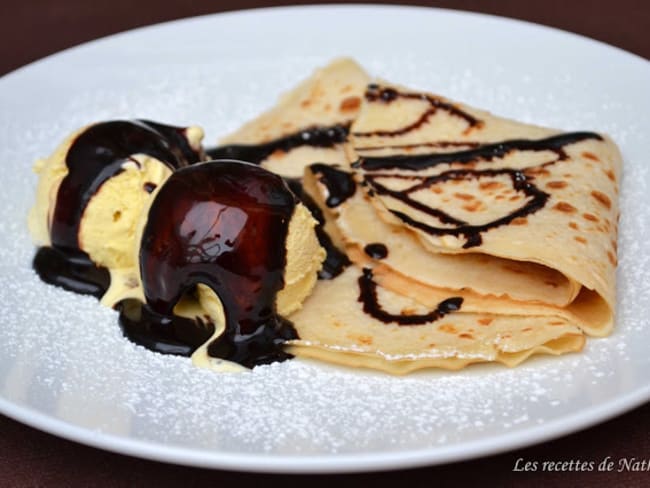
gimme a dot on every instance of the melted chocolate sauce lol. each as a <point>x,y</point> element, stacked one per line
<point>256,153</point>
<point>71,271</point>
<point>442,144</point>
<point>376,250</point>
<point>97,154</point>
<point>486,152</point>
<point>374,93</point>
<point>94,156</point>
<point>371,306</point>
<point>335,260</point>
<point>472,233</point>
<point>521,182</point>
<point>162,333</point>
<point>223,225</point>
<point>340,184</point>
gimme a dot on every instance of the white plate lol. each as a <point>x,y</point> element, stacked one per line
<point>65,368</point>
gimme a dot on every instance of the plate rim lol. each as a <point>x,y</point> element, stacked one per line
<point>330,463</point>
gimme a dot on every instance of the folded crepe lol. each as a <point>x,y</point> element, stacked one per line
<point>470,238</point>
<point>474,238</point>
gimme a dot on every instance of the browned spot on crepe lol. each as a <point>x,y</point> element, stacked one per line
<point>581,240</point>
<point>527,329</point>
<point>519,221</point>
<point>473,207</point>
<point>591,217</point>
<point>490,185</point>
<point>360,339</point>
<point>514,198</point>
<point>610,174</point>
<point>466,336</point>
<point>538,171</point>
<point>408,311</point>
<point>350,104</point>
<point>564,207</point>
<point>589,155</point>
<point>556,322</point>
<point>612,258</point>
<point>436,189</point>
<point>278,153</point>
<point>574,226</point>
<point>448,328</point>
<point>464,196</point>
<point>305,103</point>
<point>556,184</point>
<point>602,198</point>
<point>486,321</point>
<point>364,339</point>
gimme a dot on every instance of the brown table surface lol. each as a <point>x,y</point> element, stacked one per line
<point>34,28</point>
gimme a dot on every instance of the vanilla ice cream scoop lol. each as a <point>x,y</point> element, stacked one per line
<point>232,237</point>
<point>91,192</point>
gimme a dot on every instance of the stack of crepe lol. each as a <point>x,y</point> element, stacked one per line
<point>472,238</point>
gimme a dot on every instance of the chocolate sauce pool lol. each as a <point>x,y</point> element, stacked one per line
<point>71,271</point>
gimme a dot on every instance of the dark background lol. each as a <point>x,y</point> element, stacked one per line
<point>31,29</point>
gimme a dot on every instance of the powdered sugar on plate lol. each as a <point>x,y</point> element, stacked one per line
<point>63,355</point>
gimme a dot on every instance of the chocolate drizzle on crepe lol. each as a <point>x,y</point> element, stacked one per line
<point>521,181</point>
<point>376,250</point>
<point>484,153</point>
<point>368,297</point>
<point>318,136</point>
<point>375,93</point>
<point>340,184</point>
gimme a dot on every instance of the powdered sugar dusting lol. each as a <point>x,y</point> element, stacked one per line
<point>65,356</point>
